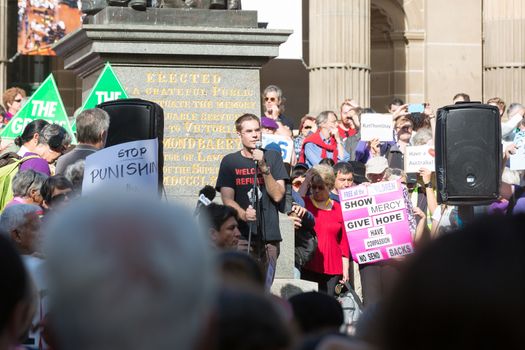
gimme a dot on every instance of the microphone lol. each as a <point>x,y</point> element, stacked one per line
<point>206,196</point>
<point>258,145</point>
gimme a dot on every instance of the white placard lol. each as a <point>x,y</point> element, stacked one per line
<point>284,143</point>
<point>517,160</point>
<point>417,157</point>
<point>127,167</point>
<point>377,126</point>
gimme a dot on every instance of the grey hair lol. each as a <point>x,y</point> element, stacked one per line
<point>26,181</point>
<point>52,133</point>
<point>141,276</point>
<point>91,124</point>
<point>279,92</point>
<point>513,107</point>
<point>75,173</point>
<point>323,117</point>
<point>273,88</point>
<point>14,216</point>
<point>394,174</point>
<point>422,136</point>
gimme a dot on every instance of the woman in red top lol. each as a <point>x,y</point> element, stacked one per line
<point>330,263</point>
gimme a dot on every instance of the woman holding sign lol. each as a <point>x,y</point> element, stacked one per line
<point>330,262</point>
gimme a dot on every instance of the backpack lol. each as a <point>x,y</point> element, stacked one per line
<point>9,164</point>
<point>305,246</point>
<point>351,304</point>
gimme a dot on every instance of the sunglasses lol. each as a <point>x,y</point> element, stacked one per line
<point>308,127</point>
<point>271,99</point>
<point>19,100</point>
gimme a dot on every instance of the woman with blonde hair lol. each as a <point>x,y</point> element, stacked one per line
<point>330,262</point>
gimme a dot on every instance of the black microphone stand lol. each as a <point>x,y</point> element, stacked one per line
<point>253,201</point>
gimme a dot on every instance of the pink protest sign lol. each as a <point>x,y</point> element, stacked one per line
<point>376,221</point>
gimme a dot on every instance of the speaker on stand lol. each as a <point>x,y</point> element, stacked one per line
<point>468,155</point>
<point>133,120</point>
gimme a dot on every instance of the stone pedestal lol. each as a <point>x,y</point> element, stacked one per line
<point>201,66</point>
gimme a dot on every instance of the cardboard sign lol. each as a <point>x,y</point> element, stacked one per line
<point>417,157</point>
<point>45,104</point>
<point>377,126</point>
<point>284,143</point>
<point>107,88</point>
<point>376,222</point>
<point>517,160</point>
<point>127,167</point>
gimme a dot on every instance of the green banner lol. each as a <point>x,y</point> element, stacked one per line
<point>45,104</point>
<point>107,88</point>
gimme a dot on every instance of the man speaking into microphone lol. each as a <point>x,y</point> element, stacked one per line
<point>256,201</point>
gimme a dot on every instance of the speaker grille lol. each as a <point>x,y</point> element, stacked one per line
<point>468,154</point>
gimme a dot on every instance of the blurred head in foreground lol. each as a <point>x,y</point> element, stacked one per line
<point>464,291</point>
<point>127,273</point>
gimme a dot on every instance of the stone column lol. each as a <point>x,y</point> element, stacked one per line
<point>3,45</point>
<point>504,50</point>
<point>339,53</point>
<point>453,50</point>
<point>415,61</point>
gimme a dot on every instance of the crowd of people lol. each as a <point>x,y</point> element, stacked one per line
<point>125,272</point>
<point>39,25</point>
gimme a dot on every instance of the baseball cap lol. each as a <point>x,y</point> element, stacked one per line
<point>376,165</point>
<point>301,165</point>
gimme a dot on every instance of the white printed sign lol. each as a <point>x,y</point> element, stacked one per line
<point>377,126</point>
<point>376,221</point>
<point>285,144</point>
<point>517,160</point>
<point>127,167</point>
<point>417,157</point>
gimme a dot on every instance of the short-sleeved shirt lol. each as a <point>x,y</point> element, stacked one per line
<point>332,240</point>
<point>237,172</point>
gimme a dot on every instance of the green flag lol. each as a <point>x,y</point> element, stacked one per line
<point>107,88</point>
<point>45,104</point>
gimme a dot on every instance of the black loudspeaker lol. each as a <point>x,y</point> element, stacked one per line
<point>135,119</point>
<point>468,154</point>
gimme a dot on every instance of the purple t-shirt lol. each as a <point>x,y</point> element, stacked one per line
<point>36,164</point>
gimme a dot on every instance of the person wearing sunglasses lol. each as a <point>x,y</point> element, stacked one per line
<point>12,100</point>
<point>52,142</point>
<point>56,191</point>
<point>325,143</point>
<point>330,263</point>
<point>273,102</point>
<point>307,127</point>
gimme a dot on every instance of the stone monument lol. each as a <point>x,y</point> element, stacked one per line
<point>201,66</point>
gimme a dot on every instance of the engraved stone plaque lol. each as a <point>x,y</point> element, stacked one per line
<point>200,108</point>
